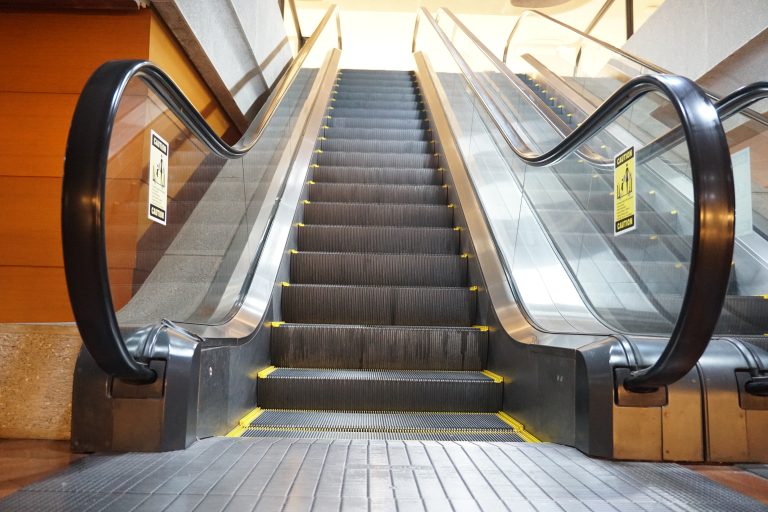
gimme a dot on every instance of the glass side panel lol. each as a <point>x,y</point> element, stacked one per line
<point>184,226</point>
<point>633,282</point>
<point>580,74</point>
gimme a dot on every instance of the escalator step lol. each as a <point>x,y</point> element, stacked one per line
<point>391,175</point>
<point>367,113</point>
<point>378,305</point>
<point>376,89</point>
<point>379,239</point>
<point>379,390</point>
<point>443,270</point>
<point>375,134</point>
<point>358,159</point>
<point>375,122</point>
<point>385,348</point>
<point>354,214</point>
<point>377,146</point>
<point>479,436</point>
<point>377,193</point>
<point>378,96</point>
<point>378,421</point>
<point>377,104</point>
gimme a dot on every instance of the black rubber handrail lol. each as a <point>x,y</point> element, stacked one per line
<point>713,230</point>
<point>83,191</point>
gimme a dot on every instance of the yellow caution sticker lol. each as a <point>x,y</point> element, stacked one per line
<point>624,199</point>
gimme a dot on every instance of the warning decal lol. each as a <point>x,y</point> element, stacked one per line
<point>624,197</point>
<point>158,179</point>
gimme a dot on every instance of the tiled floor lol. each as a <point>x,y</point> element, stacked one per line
<point>303,474</point>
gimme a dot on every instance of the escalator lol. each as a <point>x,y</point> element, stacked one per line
<point>408,255</point>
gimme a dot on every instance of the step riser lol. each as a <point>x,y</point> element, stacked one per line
<point>379,395</point>
<point>377,89</point>
<point>380,96</point>
<point>451,307</point>
<point>376,146</point>
<point>391,176</point>
<point>377,114</point>
<point>351,122</point>
<point>382,349</point>
<point>382,240</point>
<point>341,214</point>
<point>377,269</point>
<point>344,159</point>
<point>372,134</point>
<point>377,104</point>
<point>362,193</point>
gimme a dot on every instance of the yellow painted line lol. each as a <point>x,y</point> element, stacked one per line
<point>299,225</point>
<point>246,420</point>
<point>276,324</point>
<point>285,283</point>
<point>451,205</point>
<point>318,151</point>
<point>387,430</point>
<point>238,431</point>
<point>457,228</point>
<point>266,371</point>
<point>314,166</point>
<point>765,297</point>
<point>294,251</point>
<point>518,427</point>
<point>465,256</point>
<point>473,288</point>
<point>498,379</point>
<point>482,328</point>
<point>311,182</point>
<point>306,201</point>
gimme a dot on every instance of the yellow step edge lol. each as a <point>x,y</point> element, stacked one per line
<point>276,324</point>
<point>299,225</point>
<point>314,166</point>
<point>517,426</point>
<point>474,288</point>
<point>481,328</point>
<point>285,283</point>
<point>238,431</point>
<point>293,251</point>
<point>498,379</point>
<point>246,420</point>
<point>263,374</point>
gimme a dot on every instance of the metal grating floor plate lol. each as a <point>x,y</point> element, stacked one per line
<point>379,375</point>
<point>372,421</point>
<point>509,436</point>
<point>233,474</point>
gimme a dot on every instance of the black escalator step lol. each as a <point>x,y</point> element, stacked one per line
<point>379,390</point>
<point>377,114</point>
<point>376,134</point>
<point>379,421</point>
<point>390,175</point>
<point>471,436</point>
<point>382,347</point>
<point>357,159</point>
<point>359,145</point>
<point>378,269</point>
<point>376,104</point>
<point>352,89</point>
<point>355,122</point>
<point>376,80</point>
<point>354,214</point>
<point>375,72</point>
<point>379,239</point>
<point>378,305</point>
<point>378,96</point>
<point>377,193</point>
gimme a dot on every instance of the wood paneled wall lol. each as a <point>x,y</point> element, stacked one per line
<point>47,58</point>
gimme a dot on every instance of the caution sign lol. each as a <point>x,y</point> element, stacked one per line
<point>158,179</point>
<point>624,197</point>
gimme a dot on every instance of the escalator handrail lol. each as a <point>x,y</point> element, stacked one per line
<point>83,192</point>
<point>713,216</point>
<point>755,116</point>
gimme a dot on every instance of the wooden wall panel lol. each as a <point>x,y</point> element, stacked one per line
<point>57,51</point>
<point>47,58</point>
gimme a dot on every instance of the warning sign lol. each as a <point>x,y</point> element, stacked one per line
<point>624,197</point>
<point>158,179</point>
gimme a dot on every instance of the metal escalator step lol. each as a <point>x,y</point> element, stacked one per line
<point>378,239</point>
<point>375,134</point>
<point>376,89</point>
<point>377,104</point>
<point>367,113</point>
<point>358,145</point>
<point>375,72</point>
<point>402,81</point>
<point>378,96</point>
<point>355,122</point>
<point>379,421</point>
<point>381,347</point>
<point>377,193</point>
<point>378,269</point>
<point>361,214</point>
<point>391,175</point>
<point>480,436</point>
<point>356,159</point>
<point>379,390</point>
<point>378,305</point>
